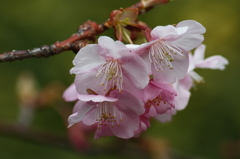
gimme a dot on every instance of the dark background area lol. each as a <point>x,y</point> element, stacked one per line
<point>209,128</point>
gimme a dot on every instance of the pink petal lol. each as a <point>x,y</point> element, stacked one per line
<point>166,116</point>
<point>77,105</point>
<point>144,124</point>
<point>96,98</point>
<point>132,89</point>
<point>164,32</point>
<point>80,114</point>
<point>213,62</point>
<point>145,57</point>
<point>198,54</point>
<point>89,81</point>
<point>135,69</point>
<point>104,131</point>
<point>143,48</point>
<point>191,62</point>
<point>193,27</point>
<point>165,87</point>
<point>182,87</point>
<point>70,94</point>
<point>112,49</point>
<point>142,51</point>
<point>90,117</point>
<point>168,98</point>
<point>163,118</point>
<point>127,127</point>
<point>150,92</point>
<point>162,108</point>
<point>188,42</point>
<point>87,59</point>
<point>168,76</point>
<point>128,104</point>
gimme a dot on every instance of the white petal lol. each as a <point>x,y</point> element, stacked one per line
<point>89,81</point>
<point>96,98</point>
<point>199,54</point>
<point>80,114</point>
<point>129,104</point>
<point>183,94</point>
<point>194,27</point>
<point>135,69</point>
<point>70,94</point>
<point>188,42</point>
<point>87,59</point>
<point>213,62</point>
<point>179,70</point>
<point>166,116</point>
<point>164,32</point>
<point>112,48</point>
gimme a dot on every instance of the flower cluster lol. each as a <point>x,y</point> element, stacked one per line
<point>119,87</point>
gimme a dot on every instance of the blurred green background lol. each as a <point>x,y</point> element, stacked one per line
<point>209,128</point>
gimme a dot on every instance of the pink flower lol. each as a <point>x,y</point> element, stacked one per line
<point>158,98</point>
<point>106,65</point>
<point>114,114</point>
<point>184,85</point>
<point>166,54</point>
<point>196,61</point>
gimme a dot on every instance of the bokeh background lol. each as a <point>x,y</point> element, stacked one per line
<point>209,128</point>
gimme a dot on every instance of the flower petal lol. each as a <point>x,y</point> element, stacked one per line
<point>96,98</point>
<point>89,81</point>
<point>90,118</point>
<point>165,87</point>
<point>188,42</point>
<point>80,114</point>
<point>164,32</point>
<point>150,92</point>
<point>135,69</point>
<point>182,87</point>
<point>104,131</point>
<point>166,116</point>
<point>128,104</point>
<point>213,62</point>
<point>144,124</point>
<point>163,107</point>
<point>112,49</point>
<point>127,127</point>
<point>198,54</point>
<point>87,59</point>
<point>132,89</point>
<point>70,94</point>
<point>168,100</point>
<point>179,70</point>
<point>194,27</point>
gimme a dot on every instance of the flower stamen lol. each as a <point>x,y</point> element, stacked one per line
<point>161,54</point>
<point>106,112</point>
<point>112,75</point>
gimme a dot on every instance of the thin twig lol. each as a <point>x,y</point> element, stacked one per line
<point>33,135</point>
<point>86,31</point>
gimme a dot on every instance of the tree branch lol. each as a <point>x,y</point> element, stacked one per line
<point>86,31</point>
<point>37,136</point>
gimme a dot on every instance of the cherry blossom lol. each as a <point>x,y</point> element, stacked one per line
<point>109,64</point>
<point>166,54</point>
<point>115,113</point>
<point>196,61</point>
<point>158,98</point>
